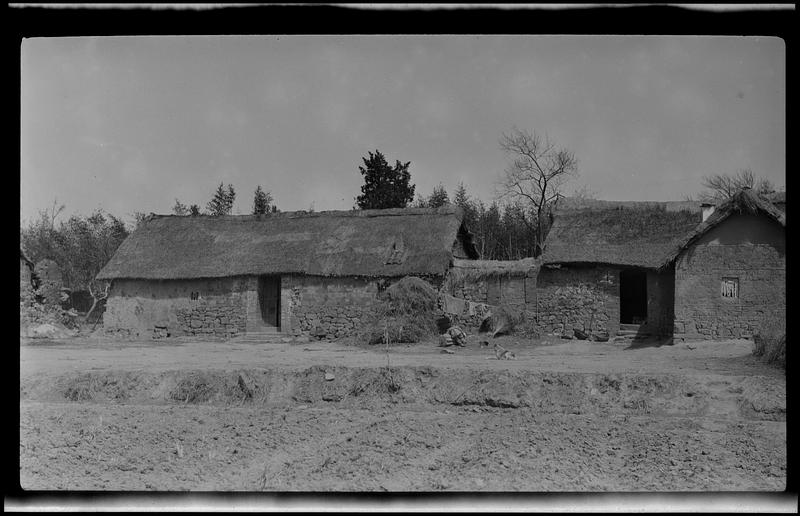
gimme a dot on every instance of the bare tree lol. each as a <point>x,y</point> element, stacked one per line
<point>722,186</point>
<point>536,175</point>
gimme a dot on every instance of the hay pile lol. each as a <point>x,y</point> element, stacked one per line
<point>406,313</point>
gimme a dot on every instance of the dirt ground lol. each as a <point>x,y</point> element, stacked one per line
<point>565,416</point>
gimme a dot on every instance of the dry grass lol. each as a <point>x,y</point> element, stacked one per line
<point>406,314</point>
<point>194,388</point>
<point>769,341</point>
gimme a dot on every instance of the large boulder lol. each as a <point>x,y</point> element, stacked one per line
<point>46,331</point>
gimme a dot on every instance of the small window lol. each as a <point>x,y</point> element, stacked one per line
<point>194,296</point>
<point>730,288</point>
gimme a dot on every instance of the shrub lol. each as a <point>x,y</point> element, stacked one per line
<point>769,341</point>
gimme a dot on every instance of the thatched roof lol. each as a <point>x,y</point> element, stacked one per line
<point>637,237</point>
<point>744,201</point>
<point>575,203</point>
<point>368,243</point>
<point>478,269</point>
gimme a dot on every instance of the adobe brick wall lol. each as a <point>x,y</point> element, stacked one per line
<point>156,309</point>
<point>700,309</point>
<point>746,247</point>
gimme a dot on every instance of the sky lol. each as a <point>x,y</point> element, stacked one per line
<point>129,124</point>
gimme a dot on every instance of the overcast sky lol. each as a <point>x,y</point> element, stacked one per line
<point>130,123</point>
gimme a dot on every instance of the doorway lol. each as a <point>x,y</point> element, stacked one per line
<point>632,297</point>
<point>269,299</point>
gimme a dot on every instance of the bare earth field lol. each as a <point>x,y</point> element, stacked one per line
<point>565,416</point>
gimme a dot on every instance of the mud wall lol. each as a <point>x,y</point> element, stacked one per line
<point>162,308</point>
<point>746,250</point>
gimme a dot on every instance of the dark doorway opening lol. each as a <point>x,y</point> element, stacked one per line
<point>269,299</point>
<point>632,297</point>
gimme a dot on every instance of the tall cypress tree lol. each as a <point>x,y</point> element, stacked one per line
<point>384,186</point>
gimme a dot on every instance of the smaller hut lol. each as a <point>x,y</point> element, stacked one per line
<point>730,271</point>
<point>601,269</point>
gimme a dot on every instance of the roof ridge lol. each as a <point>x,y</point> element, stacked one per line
<point>389,212</point>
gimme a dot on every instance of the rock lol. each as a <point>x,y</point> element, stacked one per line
<point>47,331</point>
<point>329,377</point>
<point>245,385</point>
<point>448,351</point>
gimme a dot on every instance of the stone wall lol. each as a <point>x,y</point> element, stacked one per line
<point>583,297</point>
<point>156,309</point>
<point>495,290</point>
<point>327,307</point>
<point>752,252</point>
<point>588,297</point>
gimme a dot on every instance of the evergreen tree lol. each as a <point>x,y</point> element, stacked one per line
<point>460,197</point>
<point>438,197</point>
<point>384,186</point>
<point>222,202</point>
<point>262,202</point>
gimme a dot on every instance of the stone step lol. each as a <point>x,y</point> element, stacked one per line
<point>262,336</point>
<point>631,332</point>
<point>630,327</point>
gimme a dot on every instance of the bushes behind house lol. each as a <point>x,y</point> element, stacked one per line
<point>406,313</point>
<point>769,341</point>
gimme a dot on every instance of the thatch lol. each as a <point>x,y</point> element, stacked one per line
<point>575,203</point>
<point>744,201</point>
<point>475,270</point>
<point>366,243</point>
<point>778,199</point>
<point>636,237</point>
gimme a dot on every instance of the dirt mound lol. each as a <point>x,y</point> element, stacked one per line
<point>565,393</point>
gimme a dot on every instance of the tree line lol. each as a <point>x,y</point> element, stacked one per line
<point>513,225</point>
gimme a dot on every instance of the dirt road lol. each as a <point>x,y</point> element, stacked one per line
<point>573,416</point>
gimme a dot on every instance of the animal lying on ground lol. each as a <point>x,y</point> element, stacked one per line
<point>502,353</point>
